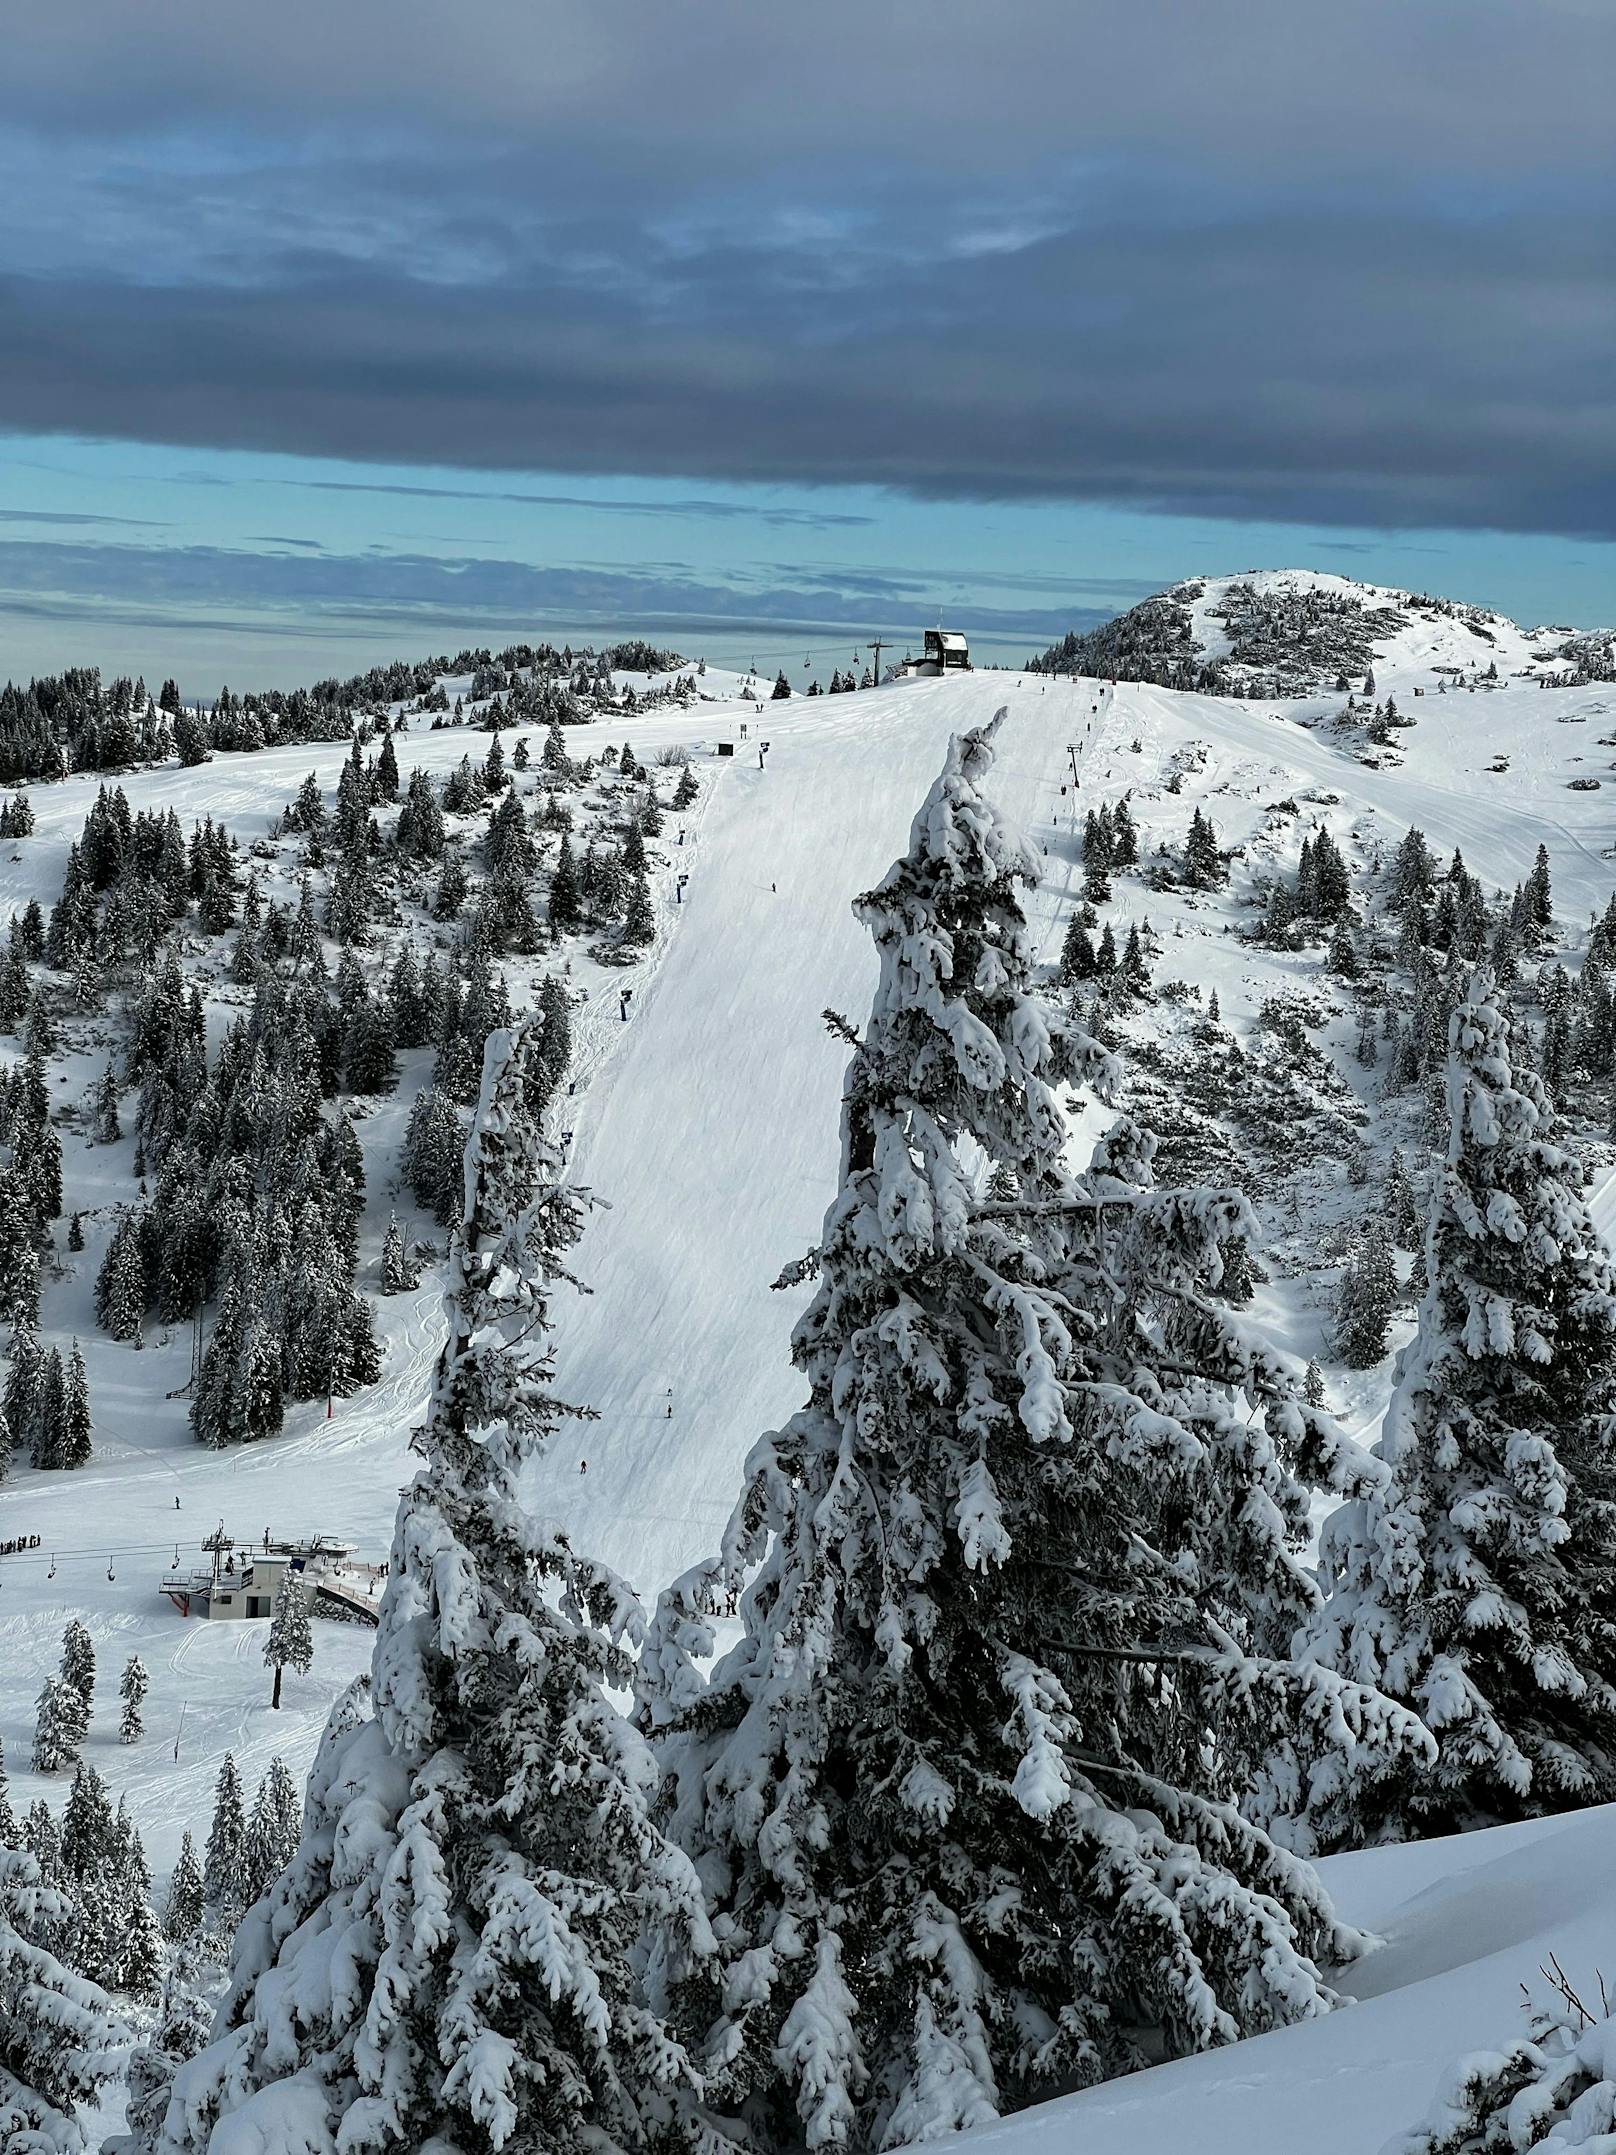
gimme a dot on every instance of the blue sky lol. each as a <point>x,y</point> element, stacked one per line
<point>329,334</point>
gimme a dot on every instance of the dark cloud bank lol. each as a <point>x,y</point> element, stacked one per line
<point>1343,265</point>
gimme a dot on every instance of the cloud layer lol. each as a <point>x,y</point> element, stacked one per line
<point>1329,265</point>
<point>190,583</point>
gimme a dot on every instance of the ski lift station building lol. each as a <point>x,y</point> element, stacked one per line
<point>945,651</point>
<point>240,1581</point>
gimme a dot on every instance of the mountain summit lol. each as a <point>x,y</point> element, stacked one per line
<point>1303,632</point>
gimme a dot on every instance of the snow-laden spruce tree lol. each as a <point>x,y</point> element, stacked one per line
<point>224,1872</point>
<point>61,1725</point>
<point>273,1828</point>
<point>181,2028</point>
<point>291,1632</point>
<point>1475,1585</point>
<point>477,1858</point>
<point>132,1690</point>
<point>59,2038</point>
<point>962,1794</point>
<point>182,1911</point>
<point>396,1272</point>
<point>78,1663</point>
<point>140,1966</point>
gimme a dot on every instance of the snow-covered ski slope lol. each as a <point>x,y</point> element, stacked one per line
<point>707,1126</point>
<point>715,1138</point>
<point>714,1134</point>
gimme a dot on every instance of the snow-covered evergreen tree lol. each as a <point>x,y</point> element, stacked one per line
<point>113,1937</point>
<point>1077,960</point>
<point>183,2024</point>
<point>132,1688</point>
<point>1124,837</point>
<point>239,1395</point>
<point>1476,1584</point>
<point>223,1866</point>
<point>120,1287</point>
<point>43,1840</point>
<point>182,1911</point>
<point>291,1633</point>
<point>25,1378</point>
<point>107,1130</point>
<point>1024,1546</point>
<point>88,1836</point>
<point>434,1144</point>
<point>140,1956</point>
<point>639,915</point>
<point>1204,865</point>
<point>48,1428</point>
<point>78,1663</point>
<point>272,1829</point>
<point>396,1273</point>
<point>565,905</point>
<point>60,1726</point>
<point>1366,1298</point>
<point>1402,1209</point>
<point>59,2039</point>
<point>76,1423</point>
<point>477,1851</point>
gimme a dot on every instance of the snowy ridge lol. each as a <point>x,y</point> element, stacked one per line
<point>1299,632</point>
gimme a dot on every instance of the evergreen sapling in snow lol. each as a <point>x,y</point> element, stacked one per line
<point>397,1275</point>
<point>1553,2088</point>
<point>132,1688</point>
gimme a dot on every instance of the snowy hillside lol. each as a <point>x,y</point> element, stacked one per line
<point>1465,1923</point>
<point>702,1113</point>
<point>1298,632</point>
<point>727,1068</point>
